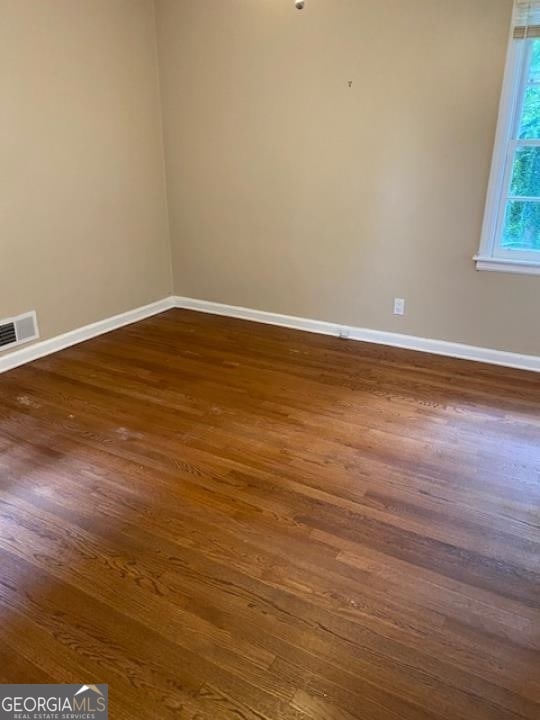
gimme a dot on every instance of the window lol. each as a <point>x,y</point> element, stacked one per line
<point>511,233</point>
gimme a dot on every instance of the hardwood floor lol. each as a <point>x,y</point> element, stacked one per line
<point>226,520</point>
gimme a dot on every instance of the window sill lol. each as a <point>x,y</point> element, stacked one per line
<point>523,267</point>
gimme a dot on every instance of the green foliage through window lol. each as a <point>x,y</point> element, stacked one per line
<point>522,219</point>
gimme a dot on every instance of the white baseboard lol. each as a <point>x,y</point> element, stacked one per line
<point>46,347</point>
<point>409,342</point>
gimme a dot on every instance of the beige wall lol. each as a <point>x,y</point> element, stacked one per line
<point>83,217</point>
<point>291,192</point>
<point>288,190</point>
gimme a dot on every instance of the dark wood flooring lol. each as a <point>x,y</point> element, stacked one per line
<point>221,519</point>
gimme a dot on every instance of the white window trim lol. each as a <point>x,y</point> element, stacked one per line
<point>489,256</point>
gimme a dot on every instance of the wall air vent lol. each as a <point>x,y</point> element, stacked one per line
<point>18,330</point>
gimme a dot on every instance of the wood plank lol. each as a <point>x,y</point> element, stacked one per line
<point>222,519</point>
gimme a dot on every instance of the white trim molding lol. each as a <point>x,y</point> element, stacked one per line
<point>60,342</point>
<point>495,264</point>
<point>409,342</point>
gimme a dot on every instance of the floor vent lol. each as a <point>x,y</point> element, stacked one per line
<point>18,330</point>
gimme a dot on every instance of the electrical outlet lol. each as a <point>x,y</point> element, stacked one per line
<point>399,306</point>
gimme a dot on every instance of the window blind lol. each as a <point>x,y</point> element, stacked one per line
<point>527,19</point>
